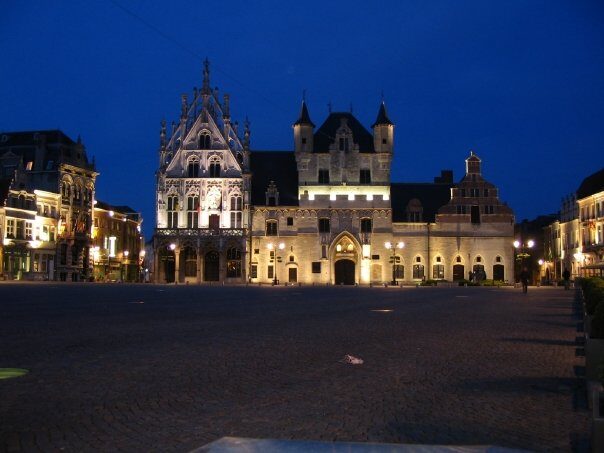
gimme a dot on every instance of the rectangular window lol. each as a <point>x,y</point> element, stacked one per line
<point>45,232</point>
<point>271,228</point>
<point>51,236</point>
<point>463,192</point>
<point>316,267</point>
<point>375,257</point>
<point>343,143</point>
<point>192,219</point>
<point>486,192</point>
<point>173,219</point>
<point>270,272</point>
<point>20,229</point>
<point>366,225</point>
<point>324,226</point>
<point>475,213</point>
<point>290,221</point>
<point>365,176</point>
<point>438,271</point>
<point>10,228</point>
<point>323,176</point>
<point>323,251</point>
<point>254,271</point>
<point>418,271</point>
<point>236,219</point>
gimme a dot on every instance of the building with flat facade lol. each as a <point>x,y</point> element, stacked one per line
<point>325,213</point>
<point>576,241</point>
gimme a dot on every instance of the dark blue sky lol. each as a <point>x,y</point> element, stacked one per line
<point>519,82</point>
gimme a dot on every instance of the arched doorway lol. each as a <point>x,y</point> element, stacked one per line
<point>344,272</point>
<point>211,267</point>
<point>498,272</point>
<point>458,272</point>
<point>168,265</point>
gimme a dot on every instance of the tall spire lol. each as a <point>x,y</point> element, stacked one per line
<point>382,117</point>
<point>205,89</point>
<point>304,116</point>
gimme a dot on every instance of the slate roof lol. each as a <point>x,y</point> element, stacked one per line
<point>29,138</point>
<point>304,116</point>
<point>382,117</point>
<point>326,134</point>
<point>126,210</point>
<point>277,166</point>
<point>591,185</point>
<point>4,188</point>
<point>432,196</point>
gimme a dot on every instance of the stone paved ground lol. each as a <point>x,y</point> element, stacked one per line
<point>192,364</point>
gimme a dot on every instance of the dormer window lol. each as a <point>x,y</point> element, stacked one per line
<point>205,140</point>
<point>343,143</point>
<point>272,194</point>
<point>414,211</point>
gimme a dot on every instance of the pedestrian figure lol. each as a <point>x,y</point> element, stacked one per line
<point>566,277</point>
<point>524,278</point>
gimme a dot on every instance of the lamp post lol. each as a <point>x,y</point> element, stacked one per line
<point>522,251</point>
<point>271,247</point>
<point>393,258</point>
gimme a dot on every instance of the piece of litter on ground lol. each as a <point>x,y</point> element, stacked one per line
<point>352,360</point>
<point>383,310</point>
<point>137,302</point>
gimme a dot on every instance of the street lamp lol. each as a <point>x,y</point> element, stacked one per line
<point>522,251</point>
<point>270,246</point>
<point>393,258</point>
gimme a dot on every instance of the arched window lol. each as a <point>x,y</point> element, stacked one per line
<point>233,263</point>
<point>193,168</point>
<point>190,255</point>
<point>438,269</point>
<point>236,211</point>
<point>418,269</point>
<point>205,140</point>
<point>214,167</point>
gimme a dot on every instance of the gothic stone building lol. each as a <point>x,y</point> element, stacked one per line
<point>326,213</point>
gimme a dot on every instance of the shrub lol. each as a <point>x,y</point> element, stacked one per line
<point>428,283</point>
<point>597,323</point>
<point>593,292</point>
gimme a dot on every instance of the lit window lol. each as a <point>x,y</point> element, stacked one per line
<point>271,228</point>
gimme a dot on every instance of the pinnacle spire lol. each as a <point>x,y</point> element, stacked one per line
<point>205,89</point>
<point>382,117</point>
<point>304,116</point>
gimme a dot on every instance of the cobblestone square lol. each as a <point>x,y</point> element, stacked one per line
<point>169,368</point>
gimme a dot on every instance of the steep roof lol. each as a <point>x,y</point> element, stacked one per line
<point>125,210</point>
<point>326,134</point>
<point>4,188</point>
<point>279,167</point>
<point>28,138</point>
<point>382,117</point>
<point>432,197</point>
<point>304,116</point>
<point>592,184</point>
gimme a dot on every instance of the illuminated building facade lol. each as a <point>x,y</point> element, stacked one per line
<point>117,248</point>
<point>48,206</point>
<point>576,241</point>
<point>202,197</point>
<point>326,213</point>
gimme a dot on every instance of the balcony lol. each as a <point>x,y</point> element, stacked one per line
<point>197,232</point>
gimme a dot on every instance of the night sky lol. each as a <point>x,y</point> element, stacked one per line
<point>519,82</point>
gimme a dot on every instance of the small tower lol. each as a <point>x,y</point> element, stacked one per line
<point>473,164</point>
<point>303,131</point>
<point>383,132</point>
